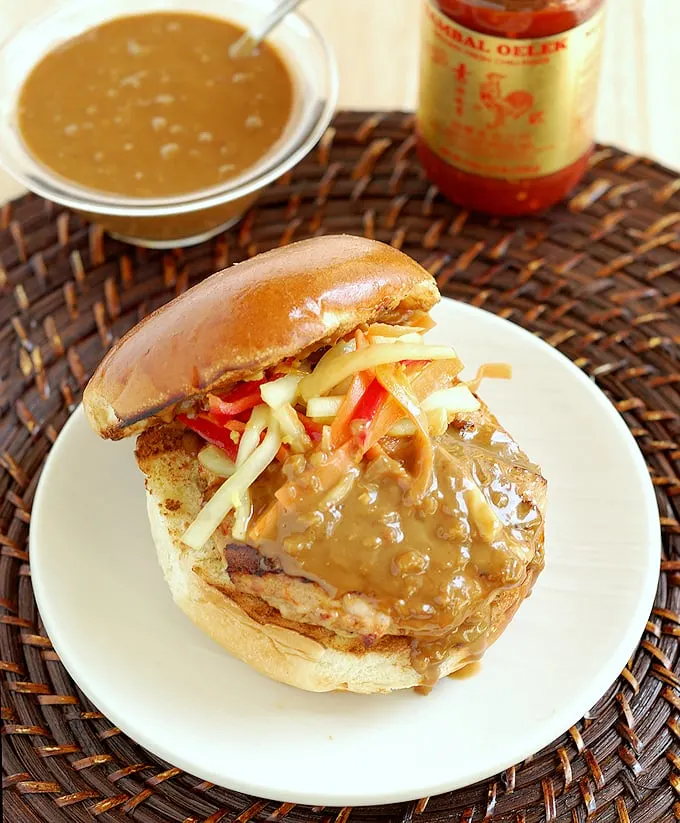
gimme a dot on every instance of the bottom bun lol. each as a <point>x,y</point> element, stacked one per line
<point>310,657</point>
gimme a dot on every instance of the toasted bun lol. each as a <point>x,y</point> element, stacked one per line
<point>306,655</point>
<point>246,318</point>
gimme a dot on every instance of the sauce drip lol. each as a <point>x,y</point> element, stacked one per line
<point>435,569</point>
<point>153,105</point>
<point>467,671</point>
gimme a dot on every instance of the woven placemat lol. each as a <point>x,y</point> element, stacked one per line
<point>597,277</point>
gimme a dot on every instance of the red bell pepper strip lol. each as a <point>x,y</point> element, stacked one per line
<point>212,433</point>
<point>242,390</point>
<point>370,403</point>
<point>375,401</point>
<point>240,399</point>
<point>224,410</point>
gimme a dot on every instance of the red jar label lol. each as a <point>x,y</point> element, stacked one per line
<point>507,108</point>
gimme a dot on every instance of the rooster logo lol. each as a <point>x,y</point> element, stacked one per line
<point>515,104</point>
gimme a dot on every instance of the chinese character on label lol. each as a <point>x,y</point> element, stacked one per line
<point>514,109</point>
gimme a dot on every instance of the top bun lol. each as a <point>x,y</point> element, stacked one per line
<point>246,318</point>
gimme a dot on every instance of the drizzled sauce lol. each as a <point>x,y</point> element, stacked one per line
<point>153,105</point>
<point>467,671</point>
<point>434,569</point>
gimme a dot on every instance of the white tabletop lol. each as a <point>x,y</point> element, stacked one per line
<point>376,42</point>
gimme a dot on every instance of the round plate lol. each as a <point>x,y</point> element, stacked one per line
<point>114,625</point>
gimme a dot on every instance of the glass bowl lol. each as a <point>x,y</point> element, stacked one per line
<point>184,219</point>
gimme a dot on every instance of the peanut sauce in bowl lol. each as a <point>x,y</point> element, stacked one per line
<point>165,109</point>
<point>141,120</point>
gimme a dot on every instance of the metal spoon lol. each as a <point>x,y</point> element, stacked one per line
<point>250,39</point>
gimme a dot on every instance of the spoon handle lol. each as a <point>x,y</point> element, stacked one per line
<point>250,39</point>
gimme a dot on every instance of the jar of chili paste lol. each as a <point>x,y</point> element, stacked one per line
<point>507,99</point>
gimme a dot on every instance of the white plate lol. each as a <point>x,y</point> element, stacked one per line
<point>117,631</point>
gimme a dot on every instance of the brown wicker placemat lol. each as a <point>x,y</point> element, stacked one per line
<point>597,277</point>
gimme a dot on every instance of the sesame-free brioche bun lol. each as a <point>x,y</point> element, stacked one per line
<point>247,318</point>
<point>292,623</point>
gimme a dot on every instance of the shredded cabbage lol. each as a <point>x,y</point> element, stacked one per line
<point>438,421</point>
<point>412,337</point>
<point>251,436</point>
<point>454,399</point>
<point>222,502</point>
<point>247,445</point>
<point>244,510</point>
<point>390,330</point>
<point>277,392</point>
<point>216,461</point>
<point>330,373</point>
<point>292,430</point>
<point>324,407</point>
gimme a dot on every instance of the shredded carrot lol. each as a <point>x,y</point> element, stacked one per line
<point>438,374</point>
<point>388,330</point>
<point>235,425</point>
<point>424,379</point>
<point>283,453</point>
<point>346,451</point>
<point>499,371</point>
<point>388,415</point>
<point>375,451</point>
<point>360,339</point>
<point>340,431</point>
<point>395,381</point>
<point>421,319</point>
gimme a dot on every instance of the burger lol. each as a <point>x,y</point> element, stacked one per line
<point>329,500</point>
